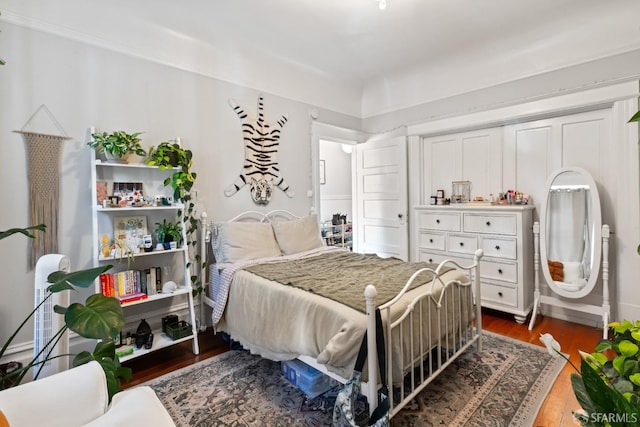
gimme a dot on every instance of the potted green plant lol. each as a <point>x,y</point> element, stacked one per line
<point>100,317</point>
<point>170,154</point>
<point>607,385</point>
<point>118,145</point>
<point>167,232</point>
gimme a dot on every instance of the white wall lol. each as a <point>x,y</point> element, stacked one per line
<point>82,86</point>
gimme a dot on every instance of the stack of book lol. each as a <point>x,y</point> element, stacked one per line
<point>132,285</point>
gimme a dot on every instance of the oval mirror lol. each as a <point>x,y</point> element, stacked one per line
<point>570,233</point>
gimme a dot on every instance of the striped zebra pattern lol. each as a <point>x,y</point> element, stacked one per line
<point>260,169</point>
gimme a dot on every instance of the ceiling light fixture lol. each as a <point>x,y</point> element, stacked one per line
<point>382,4</point>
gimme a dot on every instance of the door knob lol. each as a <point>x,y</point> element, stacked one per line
<point>400,215</point>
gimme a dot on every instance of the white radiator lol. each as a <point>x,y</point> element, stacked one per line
<point>46,321</point>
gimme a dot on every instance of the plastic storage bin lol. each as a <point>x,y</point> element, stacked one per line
<point>182,329</point>
<point>308,379</point>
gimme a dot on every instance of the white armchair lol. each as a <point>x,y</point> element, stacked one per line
<point>78,397</point>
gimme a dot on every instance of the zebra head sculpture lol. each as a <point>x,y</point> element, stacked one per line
<point>260,169</point>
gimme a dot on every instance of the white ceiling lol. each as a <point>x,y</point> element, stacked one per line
<point>348,47</point>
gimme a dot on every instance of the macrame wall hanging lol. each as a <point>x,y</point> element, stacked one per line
<point>44,151</point>
<point>260,169</point>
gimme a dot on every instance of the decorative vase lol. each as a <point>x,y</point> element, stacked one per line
<point>142,333</point>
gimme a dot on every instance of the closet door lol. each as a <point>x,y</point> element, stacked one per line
<point>474,156</point>
<point>533,150</point>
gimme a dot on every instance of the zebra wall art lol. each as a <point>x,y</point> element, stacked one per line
<point>260,169</point>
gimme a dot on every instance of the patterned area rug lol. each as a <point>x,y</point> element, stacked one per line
<point>504,385</point>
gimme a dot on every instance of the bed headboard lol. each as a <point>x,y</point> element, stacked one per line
<point>271,216</point>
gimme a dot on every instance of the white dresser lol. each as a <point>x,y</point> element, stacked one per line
<point>505,235</point>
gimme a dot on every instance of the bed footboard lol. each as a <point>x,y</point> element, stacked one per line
<point>444,332</point>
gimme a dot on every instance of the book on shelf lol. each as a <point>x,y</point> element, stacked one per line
<point>136,296</point>
<point>131,285</point>
<point>158,277</point>
<point>150,278</point>
<point>107,284</point>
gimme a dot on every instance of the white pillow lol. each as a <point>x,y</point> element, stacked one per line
<point>298,235</point>
<point>572,271</point>
<point>238,241</point>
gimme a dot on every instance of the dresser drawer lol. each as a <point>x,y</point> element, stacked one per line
<point>462,243</point>
<point>499,247</point>
<point>496,224</point>
<point>442,221</point>
<point>437,258</point>
<point>497,294</point>
<point>430,240</point>
<point>496,270</point>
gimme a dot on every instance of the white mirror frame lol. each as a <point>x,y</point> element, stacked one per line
<point>596,227</point>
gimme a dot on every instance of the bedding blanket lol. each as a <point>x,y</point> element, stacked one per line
<point>342,276</point>
<point>283,322</point>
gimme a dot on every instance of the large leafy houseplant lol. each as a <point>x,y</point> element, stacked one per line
<point>100,318</point>
<point>607,385</point>
<point>171,155</point>
<point>118,144</point>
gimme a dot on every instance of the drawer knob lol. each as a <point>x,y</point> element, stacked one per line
<point>499,271</point>
<point>500,294</point>
<point>431,260</point>
<point>430,240</point>
<point>488,223</point>
<point>461,243</point>
<point>437,221</point>
<point>497,247</point>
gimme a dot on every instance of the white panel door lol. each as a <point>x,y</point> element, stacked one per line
<point>480,161</point>
<point>441,166</point>
<point>381,175</point>
<point>533,150</point>
<point>474,156</point>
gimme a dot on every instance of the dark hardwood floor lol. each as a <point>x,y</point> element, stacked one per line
<point>556,410</point>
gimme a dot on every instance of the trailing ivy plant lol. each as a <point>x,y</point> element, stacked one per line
<point>100,317</point>
<point>171,155</point>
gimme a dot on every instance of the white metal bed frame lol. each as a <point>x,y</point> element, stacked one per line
<point>449,345</point>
